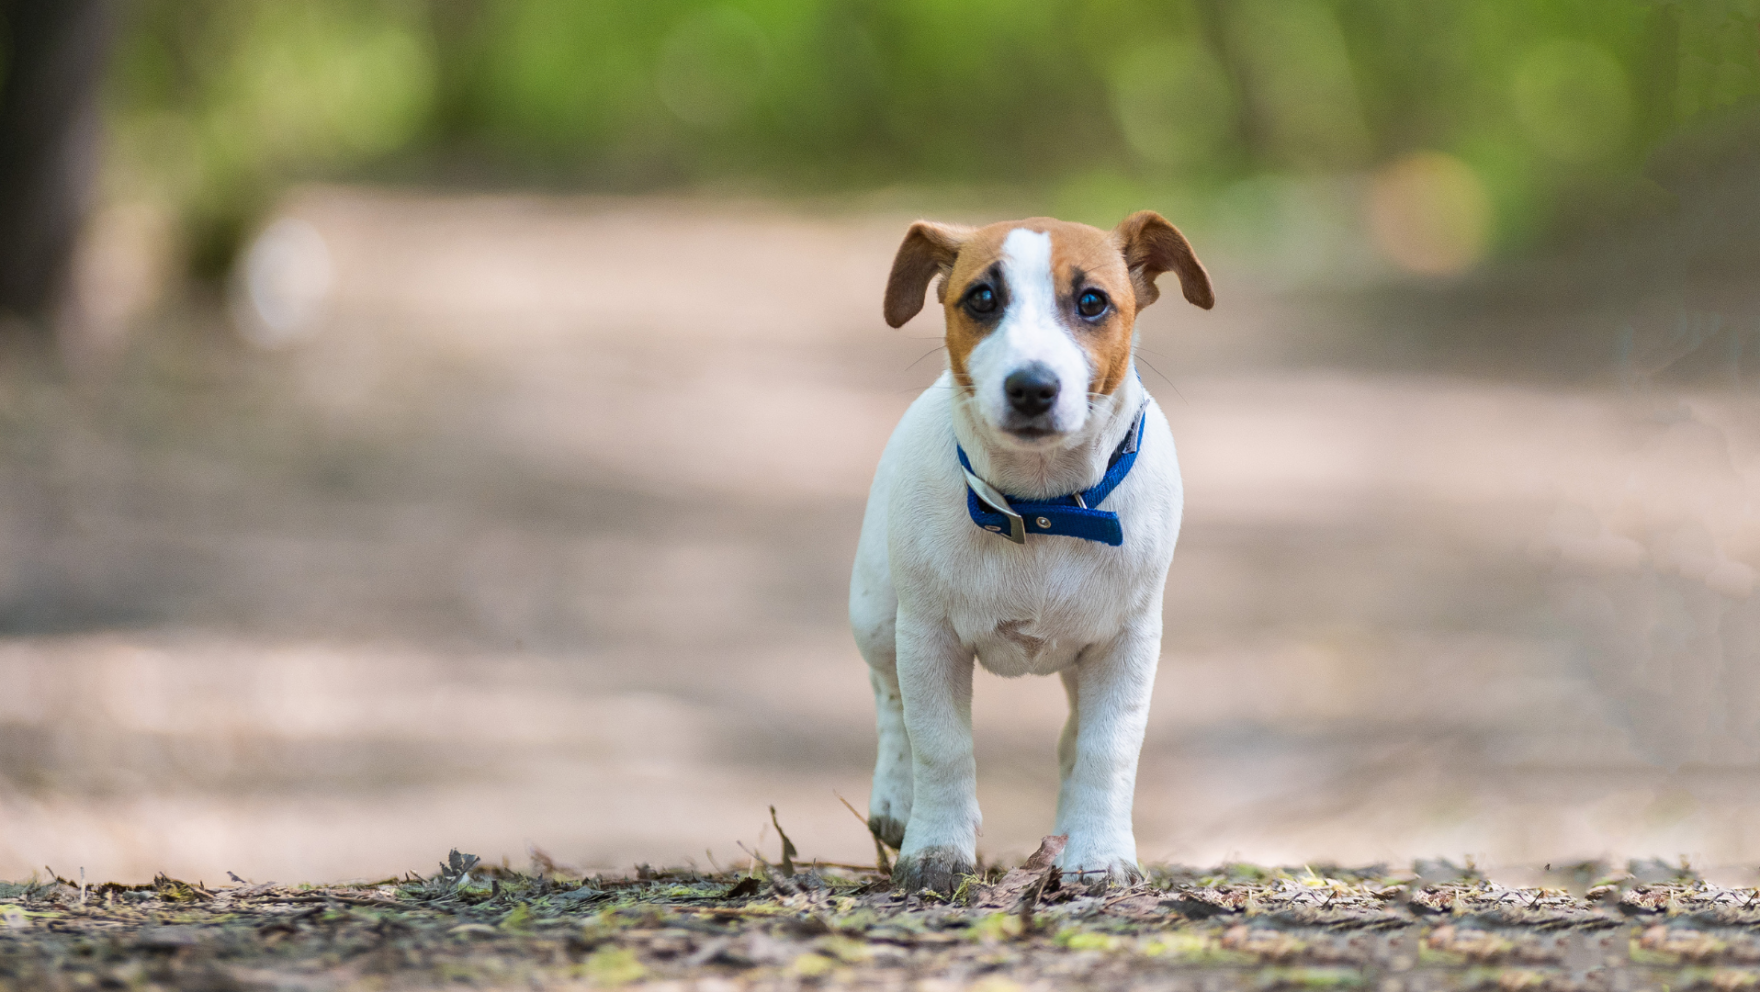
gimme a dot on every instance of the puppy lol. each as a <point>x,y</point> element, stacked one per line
<point>1024,513</point>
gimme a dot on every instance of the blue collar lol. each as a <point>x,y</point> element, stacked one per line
<point>1070,516</point>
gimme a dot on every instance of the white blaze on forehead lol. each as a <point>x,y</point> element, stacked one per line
<point>1026,264</point>
<point>1031,332</point>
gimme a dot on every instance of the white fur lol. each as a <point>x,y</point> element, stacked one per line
<point>1030,332</point>
<point>931,590</point>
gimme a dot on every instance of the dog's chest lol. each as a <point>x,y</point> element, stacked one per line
<point>1038,621</point>
<point>1024,647</point>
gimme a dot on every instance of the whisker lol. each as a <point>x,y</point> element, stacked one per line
<point>926,354</point>
<point>1164,378</point>
<point>940,385</point>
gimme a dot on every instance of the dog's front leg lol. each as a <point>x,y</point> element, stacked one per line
<point>1109,710</point>
<point>935,678</point>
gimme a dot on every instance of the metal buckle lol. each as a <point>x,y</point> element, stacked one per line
<point>990,497</point>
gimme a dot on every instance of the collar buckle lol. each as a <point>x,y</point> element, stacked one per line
<point>991,497</point>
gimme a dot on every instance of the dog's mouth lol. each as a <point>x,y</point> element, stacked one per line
<point>1030,430</point>
<point>1030,434</point>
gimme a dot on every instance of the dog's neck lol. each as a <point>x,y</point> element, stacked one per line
<point>1077,464</point>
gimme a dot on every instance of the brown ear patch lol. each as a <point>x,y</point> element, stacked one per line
<point>928,250</point>
<point>1152,246</point>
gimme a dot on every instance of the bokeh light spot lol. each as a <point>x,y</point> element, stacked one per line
<point>285,283</point>
<point>1430,214</point>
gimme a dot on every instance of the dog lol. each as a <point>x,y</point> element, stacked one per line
<point>1024,513</point>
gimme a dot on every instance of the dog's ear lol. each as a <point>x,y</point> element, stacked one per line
<point>928,250</point>
<point>1152,246</point>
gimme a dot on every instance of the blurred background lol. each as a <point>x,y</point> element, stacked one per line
<point>431,423</point>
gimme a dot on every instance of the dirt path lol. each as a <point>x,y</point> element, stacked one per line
<point>542,538</point>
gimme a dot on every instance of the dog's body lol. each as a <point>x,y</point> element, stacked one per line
<point>1042,397</point>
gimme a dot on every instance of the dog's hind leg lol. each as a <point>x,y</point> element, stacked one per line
<point>1066,742</point>
<point>889,804</point>
<point>873,617</point>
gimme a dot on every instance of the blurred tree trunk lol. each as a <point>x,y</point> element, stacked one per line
<point>1249,121</point>
<point>53,65</point>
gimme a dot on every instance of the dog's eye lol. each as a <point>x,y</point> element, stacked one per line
<point>981,299</point>
<point>1092,303</point>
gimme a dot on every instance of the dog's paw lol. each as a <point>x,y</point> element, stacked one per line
<point>939,869</point>
<point>889,808</point>
<point>1098,872</point>
<point>889,829</point>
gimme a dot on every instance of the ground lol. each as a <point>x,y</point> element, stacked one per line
<point>787,926</point>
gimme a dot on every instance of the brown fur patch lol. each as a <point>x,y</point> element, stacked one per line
<point>1078,250</point>
<point>1152,246</point>
<point>928,248</point>
<point>982,250</point>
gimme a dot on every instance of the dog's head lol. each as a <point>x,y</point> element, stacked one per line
<point>1040,313</point>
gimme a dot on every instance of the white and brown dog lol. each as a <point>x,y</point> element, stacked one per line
<point>1024,512</point>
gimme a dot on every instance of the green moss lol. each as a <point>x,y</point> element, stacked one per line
<point>613,966</point>
<point>1086,940</point>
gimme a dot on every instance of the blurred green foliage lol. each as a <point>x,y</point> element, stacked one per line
<point>1090,104</point>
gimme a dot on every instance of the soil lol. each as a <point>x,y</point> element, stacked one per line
<point>787,926</point>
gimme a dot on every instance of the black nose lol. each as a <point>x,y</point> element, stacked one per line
<point>1032,389</point>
